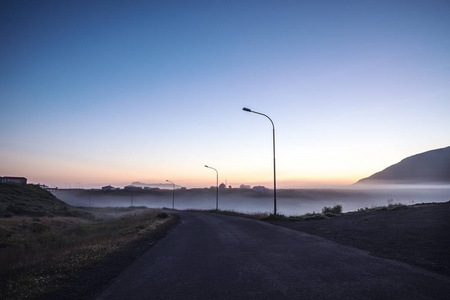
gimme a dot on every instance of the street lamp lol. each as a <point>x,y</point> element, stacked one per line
<point>173,193</point>
<point>217,186</point>
<point>274,167</point>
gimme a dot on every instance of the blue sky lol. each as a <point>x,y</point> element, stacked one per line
<point>110,92</point>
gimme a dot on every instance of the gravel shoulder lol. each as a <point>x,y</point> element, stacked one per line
<point>418,235</point>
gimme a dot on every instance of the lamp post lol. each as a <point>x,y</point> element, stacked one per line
<point>217,186</point>
<point>274,166</point>
<point>173,193</point>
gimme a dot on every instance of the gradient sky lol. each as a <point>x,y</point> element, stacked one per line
<point>109,92</point>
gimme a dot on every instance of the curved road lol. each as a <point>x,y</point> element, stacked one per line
<point>213,256</point>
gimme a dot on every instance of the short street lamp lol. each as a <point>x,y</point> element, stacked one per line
<point>274,168</point>
<point>173,193</point>
<point>217,186</point>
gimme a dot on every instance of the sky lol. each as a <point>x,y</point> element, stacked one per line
<point>110,92</point>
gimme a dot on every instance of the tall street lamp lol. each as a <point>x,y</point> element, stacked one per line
<point>217,186</point>
<point>173,193</point>
<point>274,167</point>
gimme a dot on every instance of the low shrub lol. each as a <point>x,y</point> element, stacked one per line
<point>397,206</point>
<point>337,209</point>
<point>162,215</point>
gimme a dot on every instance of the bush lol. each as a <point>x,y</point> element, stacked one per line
<point>397,206</point>
<point>337,209</point>
<point>162,215</point>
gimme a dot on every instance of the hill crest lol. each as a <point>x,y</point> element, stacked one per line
<point>31,200</point>
<point>428,167</point>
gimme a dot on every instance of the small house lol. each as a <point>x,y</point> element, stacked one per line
<point>19,180</point>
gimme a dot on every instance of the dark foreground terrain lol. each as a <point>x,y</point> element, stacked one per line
<point>217,256</point>
<point>417,235</point>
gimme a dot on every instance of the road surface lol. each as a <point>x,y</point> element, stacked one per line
<point>213,256</point>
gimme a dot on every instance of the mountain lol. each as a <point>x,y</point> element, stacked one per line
<point>427,167</point>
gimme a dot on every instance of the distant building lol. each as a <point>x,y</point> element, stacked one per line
<point>243,186</point>
<point>108,188</point>
<point>132,188</point>
<point>260,189</point>
<point>7,179</point>
<point>222,186</point>
<point>148,188</point>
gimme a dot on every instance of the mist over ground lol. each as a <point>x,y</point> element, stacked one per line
<point>290,202</point>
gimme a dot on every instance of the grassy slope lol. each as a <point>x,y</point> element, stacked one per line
<point>38,255</point>
<point>31,200</point>
<point>44,242</point>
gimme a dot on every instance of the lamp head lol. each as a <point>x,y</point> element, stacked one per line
<point>206,166</point>
<point>246,109</point>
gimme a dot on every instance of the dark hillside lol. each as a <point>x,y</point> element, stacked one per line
<point>31,200</point>
<point>427,167</point>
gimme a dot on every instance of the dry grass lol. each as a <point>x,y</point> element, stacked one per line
<point>36,254</point>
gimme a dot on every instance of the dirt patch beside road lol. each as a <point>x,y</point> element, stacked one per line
<point>417,235</point>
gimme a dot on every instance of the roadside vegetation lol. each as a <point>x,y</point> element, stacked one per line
<point>381,208</point>
<point>42,245</point>
<point>36,254</point>
<point>327,212</point>
<point>331,212</point>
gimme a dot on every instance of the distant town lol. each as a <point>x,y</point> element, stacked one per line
<point>222,186</point>
<point>132,187</point>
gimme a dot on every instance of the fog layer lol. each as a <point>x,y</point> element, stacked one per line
<point>289,202</point>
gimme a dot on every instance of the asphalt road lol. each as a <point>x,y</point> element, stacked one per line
<point>212,256</point>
